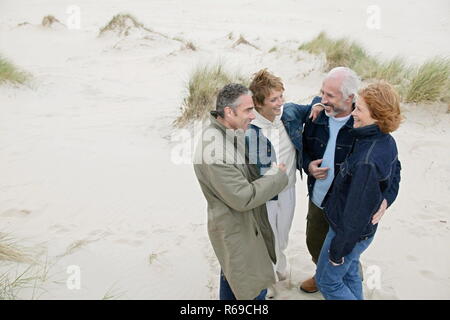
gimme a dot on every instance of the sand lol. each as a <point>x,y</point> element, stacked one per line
<point>89,184</point>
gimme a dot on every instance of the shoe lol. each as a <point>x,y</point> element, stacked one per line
<point>309,286</point>
<point>271,292</point>
<point>282,276</point>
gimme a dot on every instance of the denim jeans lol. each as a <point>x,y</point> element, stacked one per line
<point>227,294</point>
<point>340,282</point>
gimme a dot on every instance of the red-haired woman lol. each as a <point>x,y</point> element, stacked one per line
<point>357,192</point>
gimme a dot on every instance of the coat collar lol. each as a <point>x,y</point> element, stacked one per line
<point>369,131</point>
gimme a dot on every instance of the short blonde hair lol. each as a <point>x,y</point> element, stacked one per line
<point>383,102</point>
<point>262,83</point>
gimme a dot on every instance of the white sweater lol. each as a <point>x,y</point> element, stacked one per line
<point>278,137</point>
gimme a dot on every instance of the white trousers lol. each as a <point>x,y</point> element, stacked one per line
<point>281,214</point>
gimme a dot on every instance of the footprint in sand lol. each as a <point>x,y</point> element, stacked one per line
<point>58,228</point>
<point>129,242</point>
<point>141,233</point>
<point>16,213</point>
<point>412,258</point>
<point>76,245</point>
<point>430,275</point>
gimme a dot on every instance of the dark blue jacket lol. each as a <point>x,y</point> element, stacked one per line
<point>359,187</point>
<point>315,140</point>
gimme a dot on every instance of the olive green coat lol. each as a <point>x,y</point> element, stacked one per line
<point>238,226</point>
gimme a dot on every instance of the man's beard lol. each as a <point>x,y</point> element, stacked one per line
<point>334,111</point>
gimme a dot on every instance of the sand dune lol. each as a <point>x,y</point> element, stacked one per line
<point>87,177</point>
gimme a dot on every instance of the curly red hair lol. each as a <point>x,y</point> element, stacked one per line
<point>383,102</point>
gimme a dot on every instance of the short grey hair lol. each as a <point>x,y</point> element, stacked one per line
<point>229,97</point>
<point>350,81</point>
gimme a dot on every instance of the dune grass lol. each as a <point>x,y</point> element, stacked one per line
<point>427,83</point>
<point>26,273</point>
<point>190,46</point>
<point>430,82</point>
<point>121,24</point>
<point>343,52</point>
<point>47,21</point>
<point>10,73</point>
<point>202,88</point>
<point>11,251</point>
<point>243,41</point>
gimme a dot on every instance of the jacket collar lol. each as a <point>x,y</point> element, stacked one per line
<point>370,131</point>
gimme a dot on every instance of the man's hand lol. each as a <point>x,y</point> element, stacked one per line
<point>316,109</point>
<point>316,171</point>
<point>377,216</point>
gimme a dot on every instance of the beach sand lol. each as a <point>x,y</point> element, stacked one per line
<point>88,177</point>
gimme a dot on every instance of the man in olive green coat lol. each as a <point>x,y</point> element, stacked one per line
<point>238,224</point>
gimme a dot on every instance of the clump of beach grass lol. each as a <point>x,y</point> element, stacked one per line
<point>49,20</point>
<point>202,88</point>
<point>190,46</point>
<point>10,73</point>
<point>11,251</point>
<point>113,293</point>
<point>340,52</point>
<point>121,24</point>
<point>244,41</point>
<point>427,83</point>
<point>27,273</point>
<point>430,82</point>
<point>273,49</point>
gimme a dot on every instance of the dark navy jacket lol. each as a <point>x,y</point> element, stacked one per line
<point>315,140</point>
<point>369,171</point>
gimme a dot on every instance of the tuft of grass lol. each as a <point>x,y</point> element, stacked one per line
<point>10,251</point>
<point>430,82</point>
<point>340,52</point>
<point>202,88</point>
<point>27,273</point>
<point>121,24</point>
<point>10,73</point>
<point>427,83</point>
<point>47,21</point>
<point>187,44</point>
<point>113,294</point>
<point>273,49</point>
<point>244,41</point>
<point>24,24</point>
<point>191,46</point>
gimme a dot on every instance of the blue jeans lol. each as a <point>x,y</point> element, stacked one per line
<point>340,282</point>
<point>227,294</point>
